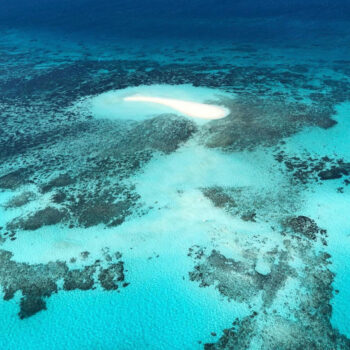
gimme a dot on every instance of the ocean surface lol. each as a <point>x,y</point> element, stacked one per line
<point>174,175</point>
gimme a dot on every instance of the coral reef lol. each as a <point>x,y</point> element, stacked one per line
<point>37,282</point>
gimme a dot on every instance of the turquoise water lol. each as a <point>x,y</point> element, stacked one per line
<point>133,225</point>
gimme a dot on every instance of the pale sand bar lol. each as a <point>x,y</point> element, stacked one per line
<point>191,109</point>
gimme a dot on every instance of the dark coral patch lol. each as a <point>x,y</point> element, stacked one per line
<point>254,122</point>
<point>305,226</point>
<point>14,179</point>
<point>106,213</point>
<point>60,181</point>
<point>164,133</point>
<point>37,282</point>
<point>111,276</point>
<point>20,200</point>
<point>44,217</point>
<point>305,324</point>
<point>219,197</point>
<point>239,280</point>
<point>305,169</point>
<point>336,172</point>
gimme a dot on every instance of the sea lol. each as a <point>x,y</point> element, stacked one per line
<point>174,174</point>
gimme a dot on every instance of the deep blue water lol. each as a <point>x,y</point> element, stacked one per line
<point>231,20</point>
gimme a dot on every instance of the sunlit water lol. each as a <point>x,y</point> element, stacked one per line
<point>172,149</point>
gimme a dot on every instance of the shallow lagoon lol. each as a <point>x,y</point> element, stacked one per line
<point>205,214</point>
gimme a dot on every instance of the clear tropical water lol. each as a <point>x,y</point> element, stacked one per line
<point>174,175</point>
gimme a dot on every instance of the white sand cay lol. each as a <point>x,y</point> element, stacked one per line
<point>148,101</point>
<point>191,109</point>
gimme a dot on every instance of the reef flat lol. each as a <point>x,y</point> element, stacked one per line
<point>156,231</point>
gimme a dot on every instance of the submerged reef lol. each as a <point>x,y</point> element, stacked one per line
<point>254,205</point>
<point>290,304</point>
<point>94,190</point>
<point>75,171</point>
<point>44,217</point>
<point>14,179</point>
<point>287,287</point>
<point>256,121</point>
<point>37,282</point>
<point>307,169</point>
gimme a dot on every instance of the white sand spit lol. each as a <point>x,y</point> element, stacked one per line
<point>191,109</point>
